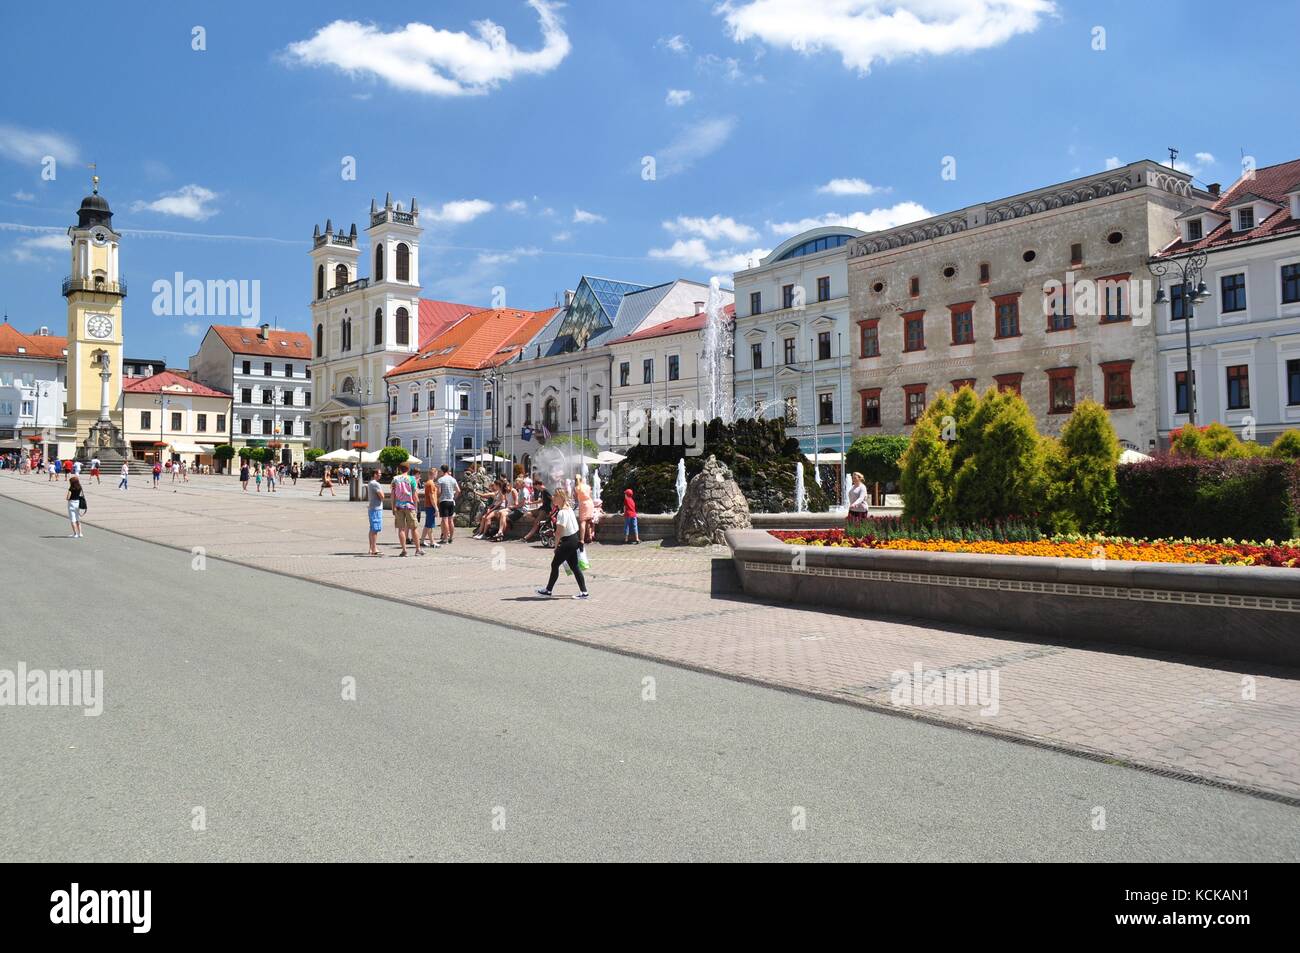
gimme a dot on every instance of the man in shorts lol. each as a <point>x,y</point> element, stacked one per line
<point>404,509</point>
<point>448,491</point>
<point>375,510</point>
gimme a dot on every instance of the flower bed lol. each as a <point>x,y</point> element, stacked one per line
<point>1219,553</point>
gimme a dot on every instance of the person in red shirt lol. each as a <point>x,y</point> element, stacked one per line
<point>631,532</point>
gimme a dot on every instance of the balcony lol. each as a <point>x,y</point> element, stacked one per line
<point>335,238</point>
<point>97,285</point>
<point>350,286</point>
<point>392,215</point>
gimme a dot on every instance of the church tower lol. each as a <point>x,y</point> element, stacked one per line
<point>94,290</point>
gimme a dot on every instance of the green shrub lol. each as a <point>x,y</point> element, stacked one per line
<point>393,457</point>
<point>998,463</point>
<point>1286,447</point>
<point>877,457</point>
<point>223,452</point>
<point>1081,471</point>
<point>313,454</point>
<point>926,474</point>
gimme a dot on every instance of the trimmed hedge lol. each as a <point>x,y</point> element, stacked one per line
<point>1175,496</point>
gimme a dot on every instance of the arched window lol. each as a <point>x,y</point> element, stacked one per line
<point>379,325</point>
<point>791,410</point>
<point>403,262</point>
<point>551,415</point>
<point>403,327</point>
<point>320,282</point>
<point>320,340</point>
<point>340,275</point>
<point>379,263</point>
<point>348,385</point>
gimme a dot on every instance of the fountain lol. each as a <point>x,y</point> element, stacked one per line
<point>844,493</point>
<point>681,481</point>
<point>800,492</point>
<point>595,483</point>
<point>718,401</point>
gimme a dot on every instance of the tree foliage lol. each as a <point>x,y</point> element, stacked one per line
<point>877,457</point>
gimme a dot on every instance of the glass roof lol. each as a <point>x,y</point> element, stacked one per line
<point>815,245</point>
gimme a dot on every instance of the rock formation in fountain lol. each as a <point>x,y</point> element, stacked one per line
<point>713,505</point>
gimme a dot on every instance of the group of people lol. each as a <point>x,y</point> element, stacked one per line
<point>272,473</point>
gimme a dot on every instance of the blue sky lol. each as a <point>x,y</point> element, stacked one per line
<point>524,142</point>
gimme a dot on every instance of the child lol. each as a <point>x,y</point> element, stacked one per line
<point>630,528</point>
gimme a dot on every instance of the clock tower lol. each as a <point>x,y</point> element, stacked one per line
<point>94,289</point>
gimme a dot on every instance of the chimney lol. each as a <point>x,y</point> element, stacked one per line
<point>265,333</point>
<point>699,307</point>
<point>568,298</point>
<point>1214,188</point>
<point>44,332</point>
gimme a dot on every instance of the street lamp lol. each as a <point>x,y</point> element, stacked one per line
<point>1189,271</point>
<point>430,388</point>
<point>163,403</point>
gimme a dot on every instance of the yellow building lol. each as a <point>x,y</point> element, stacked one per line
<point>186,417</point>
<point>94,290</point>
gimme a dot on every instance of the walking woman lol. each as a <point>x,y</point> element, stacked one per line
<point>586,509</point>
<point>243,475</point>
<point>858,501</point>
<point>568,542</point>
<point>75,498</point>
<point>326,483</point>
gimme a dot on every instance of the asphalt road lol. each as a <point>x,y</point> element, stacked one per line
<point>223,691</point>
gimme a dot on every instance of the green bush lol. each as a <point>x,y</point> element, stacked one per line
<point>926,474</point>
<point>998,463</point>
<point>393,457</point>
<point>1081,471</point>
<point>312,454</point>
<point>877,457</point>
<point>223,452</point>
<point>1286,447</point>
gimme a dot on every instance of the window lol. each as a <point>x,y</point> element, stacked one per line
<point>308,369</point>
<point>467,443</point>
<point>510,415</point>
<point>29,408</point>
<point>1238,387</point>
<point>248,367</point>
<point>266,369</point>
<point>221,423</point>
<point>1058,304</point>
<point>595,406</point>
<point>1177,302</point>
<point>246,395</point>
<point>267,395</point>
<point>201,423</point>
<point>1117,388</point>
<point>379,262</point>
<point>648,371</point>
<point>1006,309</point>
<point>963,322</point>
<point>961,382</point>
<point>913,402</point>
<point>1009,383</point>
<point>464,401</point>
<point>1076,253</point>
<point>573,408</point>
<point>624,373</point>
<point>674,367</point>
<point>288,370</point>
<point>792,410</point>
<point>824,346</point>
<point>487,401</point>
<point>146,419</point>
<point>266,428</point>
<point>320,340</point>
<point>403,262</point>
<point>288,428</point>
<point>1291,283</point>
<point>1194,233</point>
<point>1293,382</point>
<point>320,282</point>
<point>756,302</point>
<point>870,338</point>
<point>1114,291</point>
<point>787,296</point>
<point>914,286</point>
<point>871,407</point>
<point>914,331</point>
<point>340,275</point>
<point>756,356</point>
<point>1232,292</point>
<point>246,426</point>
<point>826,408</point>
<point>403,327</point>
<point>379,326</point>
<point>306,429</point>
<point>306,399</point>
<point>415,401</point>
<point>824,288</point>
<point>789,351</point>
<point>1181,396</point>
<point>1245,219</point>
<point>1060,390</point>
<point>392,405</point>
<point>984,273</point>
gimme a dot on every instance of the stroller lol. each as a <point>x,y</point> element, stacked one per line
<point>546,532</point>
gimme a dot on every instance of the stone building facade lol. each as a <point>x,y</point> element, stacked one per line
<point>1046,293</point>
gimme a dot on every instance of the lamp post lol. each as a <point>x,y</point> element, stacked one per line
<point>163,403</point>
<point>1189,271</point>
<point>430,388</point>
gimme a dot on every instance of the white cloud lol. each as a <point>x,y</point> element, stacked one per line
<point>507,257</point>
<point>678,97</point>
<point>461,211</point>
<point>865,31</point>
<point>692,144</point>
<point>1204,158</point>
<point>518,205</point>
<point>41,246</point>
<point>189,201</point>
<point>676,44</point>
<point>22,196</point>
<point>850,187</point>
<point>192,328</point>
<point>30,146</point>
<point>694,253</point>
<point>423,59</point>
<point>1113,163</point>
<point>581,217</point>
<point>728,67</point>
<point>712,229</point>
<point>872,221</point>
<point>562,236</point>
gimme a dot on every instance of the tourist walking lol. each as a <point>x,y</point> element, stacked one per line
<point>326,483</point>
<point>270,478</point>
<point>586,509</point>
<point>568,544</point>
<point>429,505</point>
<point>126,472</point>
<point>404,503</point>
<point>631,532</point>
<point>94,468</point>
<point>243,475</point>
<point>374,509</point>
<point>157,473</point>
<point>293,474</point>
<point>76,501</point>
<point>448,493</point>
<point>858,506</point>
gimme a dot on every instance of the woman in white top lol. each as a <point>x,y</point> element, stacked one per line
<point>858,500</point>
<point>568,541</point>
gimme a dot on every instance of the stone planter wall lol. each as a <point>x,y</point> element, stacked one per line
<point>1233,612</point>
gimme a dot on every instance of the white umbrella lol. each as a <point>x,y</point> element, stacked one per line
<point>337,456</point>
<point>414,459</point>
<point>609,458</point>
<point>590,461</point>
<point>1133,456</point>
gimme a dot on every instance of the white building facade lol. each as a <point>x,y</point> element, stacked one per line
<point>793,344</point>
<point>33,385</point>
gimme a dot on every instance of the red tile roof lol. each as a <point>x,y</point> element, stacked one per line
<point>691,322</point>
<point>437,317</point>
<point>242,340</point>
<point>46,346</point>
<point>155,383</point>
<point>1271,184</point>
<point>475,341</point>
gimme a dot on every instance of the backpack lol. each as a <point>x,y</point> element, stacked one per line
<point>403,492</point>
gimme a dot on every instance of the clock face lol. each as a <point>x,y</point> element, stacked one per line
<point>99,237</point>
<point>99,326</point>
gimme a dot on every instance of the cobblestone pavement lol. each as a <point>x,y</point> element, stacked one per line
<point>1219,721</point>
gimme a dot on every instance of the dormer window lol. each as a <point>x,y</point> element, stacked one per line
<point>1194,232</point>
<point>1245,219</point>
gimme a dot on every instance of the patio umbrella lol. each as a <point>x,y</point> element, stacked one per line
<point>609,458</point>
<point>1133,456</point>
